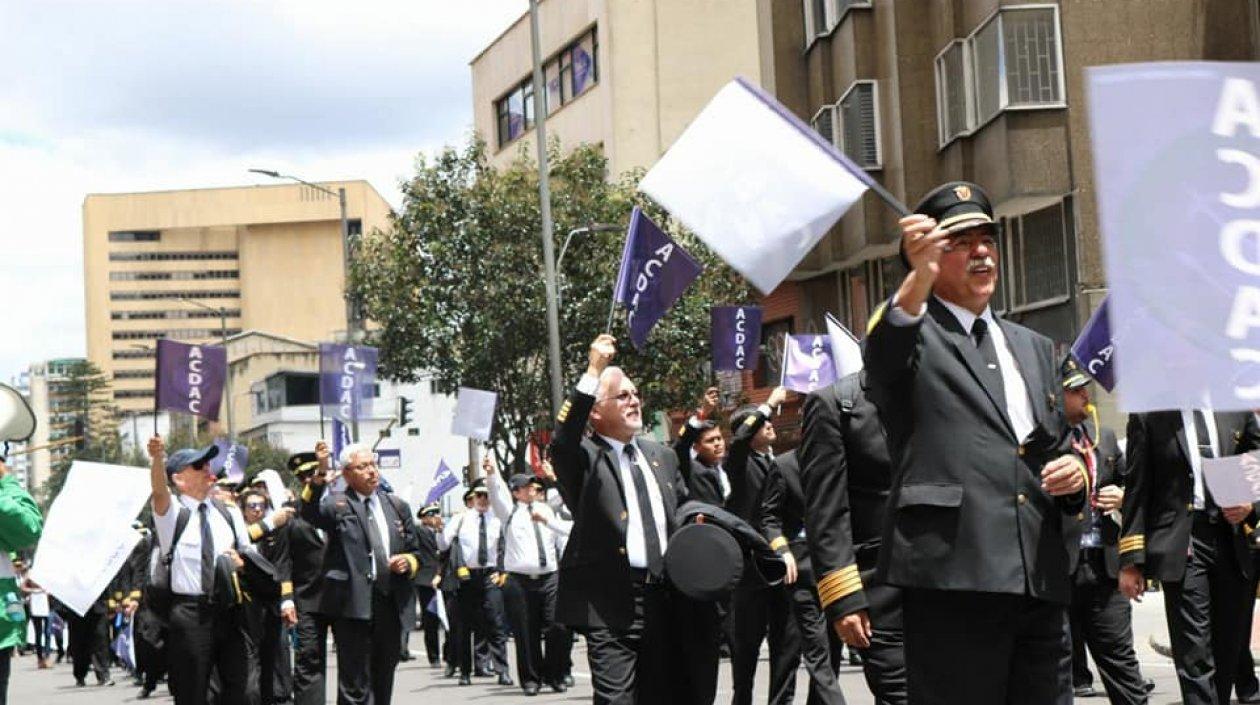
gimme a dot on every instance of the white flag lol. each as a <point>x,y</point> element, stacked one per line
<point>88,535</point>
<point>756,184</point>
<point>474,413</point>
<point>845,349</point>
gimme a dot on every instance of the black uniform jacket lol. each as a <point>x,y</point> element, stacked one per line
<point>845,478</point>
<point>347,590</point>
<point>703,482</point>
<point>306,558</point>
<point>595,579</point>
<point>746,470</point>
<point>430,563</point>
<point>783,514</point>
<point>1111,471</point>
<point>1159,500</point>
<point>274,546</point>
<point>967,511</point>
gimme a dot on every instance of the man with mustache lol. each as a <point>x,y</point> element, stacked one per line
<point>984,470</point>
<point>623,491</point>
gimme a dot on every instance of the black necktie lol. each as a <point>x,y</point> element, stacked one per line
<point>207,551</point>
<point>1204,440</point>
<point>380,557</point>
<point>992,372</point>
<point>542,551</point>
<point>651,539</point>
<point>483,549</point>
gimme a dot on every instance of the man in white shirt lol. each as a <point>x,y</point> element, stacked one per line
<point>204,637</point>
<point>473,541</point>
<point>527,564</point>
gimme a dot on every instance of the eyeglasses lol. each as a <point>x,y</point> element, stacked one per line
<point>624,397</point>
<point>255,505</point>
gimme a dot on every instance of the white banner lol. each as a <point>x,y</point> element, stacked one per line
<point>474,413</point>
<point>87,535</point>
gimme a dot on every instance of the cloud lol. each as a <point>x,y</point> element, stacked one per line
<point>144,95</point>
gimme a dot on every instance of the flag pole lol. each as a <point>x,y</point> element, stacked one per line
<point>612,310</point>
<point>783,361</point>
<point>157,388</point>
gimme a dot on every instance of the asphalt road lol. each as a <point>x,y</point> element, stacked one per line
<point>417,682</point>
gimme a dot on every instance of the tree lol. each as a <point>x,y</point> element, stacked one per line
<point>80,406</point>
<point>456,286</point>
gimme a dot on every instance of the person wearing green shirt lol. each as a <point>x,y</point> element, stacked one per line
<point>20,526</point>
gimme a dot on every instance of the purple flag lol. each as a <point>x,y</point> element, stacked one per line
<point>443,481</point>
<point>190,378</point>
<point>654,273</point>
<point>340,439</point>
<point>1177,174</point>
<point>807,363</point>
<point>583,72</point>
<point>231,461</point>
<point>736,337</point>
<point>347,376</point>
<point>1094,349</point>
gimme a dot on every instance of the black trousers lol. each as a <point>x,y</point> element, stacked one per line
<point>202,641</point>
<point>275,675</point>
<point>884,661</point>
<point>6,664</point>
<point>1102,620</point>
<point>812,647</point>
<point>975,647</point>
<point>480,604</point>
<point>1245,683</point>
<point>89,644</point>
<point>757,614</point>
<point>367,654</point>
<point>310,659</point>
<point>1204,614</point>
<point>429,623</point>
<point>530,603</point>
<point>631,665</point>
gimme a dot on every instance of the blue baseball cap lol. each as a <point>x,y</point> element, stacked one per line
<point>184,457</point>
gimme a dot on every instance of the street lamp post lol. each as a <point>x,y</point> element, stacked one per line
<point>352,328</point>
<point>544,195</point>
<point>584,230</point>
<point>227,384</point>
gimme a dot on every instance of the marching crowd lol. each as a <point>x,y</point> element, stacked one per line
<point>954,513</point>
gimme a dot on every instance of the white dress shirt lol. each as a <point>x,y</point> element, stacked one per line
<point>520,543</point>
<point>468,527</point>
<point>373,505</point>
<point>724,481</point>
<point>636,546</point>
<point>1192,448</point>
<point>1018,404</point>
<point>186,558</point>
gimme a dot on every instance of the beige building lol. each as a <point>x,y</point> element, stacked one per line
<point>634,93</point>
<point>185,264</point>
<point>55,419</point>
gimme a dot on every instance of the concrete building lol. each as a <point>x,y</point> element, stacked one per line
<point>633,94</point>
<point>189,264</point>
<point>988,91</point>
<point>19,461</point>
<point>55,419</point>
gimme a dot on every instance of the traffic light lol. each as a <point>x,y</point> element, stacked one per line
<point>404,411</point>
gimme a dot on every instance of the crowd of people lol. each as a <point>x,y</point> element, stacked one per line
<point>954,513</point>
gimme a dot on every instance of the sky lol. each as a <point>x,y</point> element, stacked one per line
<point>105,96</point>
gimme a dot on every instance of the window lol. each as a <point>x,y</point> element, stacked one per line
<point>133,394</point>
<point>153,295</point>
<point>770,363</point>
<point>1035,260</point>
<point>567,75</point>
<point>823,123</point>
<point>168,256</point>
<point>132,354</point>
<point>856,301</point>
<point>1011,62</point>
<point>135,236</point>
<point>178,314</point>
<point>184,334</point>
<point>133,374</point>
<point>859,124</point>
<point>166,276</point>
<point>953,107</point>
<point>823,16</point>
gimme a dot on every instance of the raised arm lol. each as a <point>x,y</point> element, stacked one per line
<point>161,494</point>
<point>894,329</point>
<point>567,457</point>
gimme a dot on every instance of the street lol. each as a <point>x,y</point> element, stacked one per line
<point>418,682</point>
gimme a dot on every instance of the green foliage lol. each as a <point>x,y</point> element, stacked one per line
<point>81,406</point>
<point>457,289</point>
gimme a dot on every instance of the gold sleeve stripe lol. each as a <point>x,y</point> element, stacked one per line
<point>255,532</point>
<point>778,543</point>
<point>839,584</point>
<point>134,595</point>
<point>286,588</point>
<point>1129,544</point>
<point>564,411</point>
<point>463,573</point>
<point>413,563</point>
<point>876,317</point>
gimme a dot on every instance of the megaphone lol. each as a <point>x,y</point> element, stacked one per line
<point>17,421</point>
